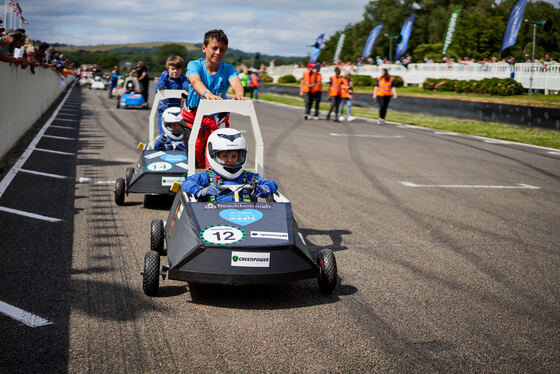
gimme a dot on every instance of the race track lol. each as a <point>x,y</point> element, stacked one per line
<point>447,248</point>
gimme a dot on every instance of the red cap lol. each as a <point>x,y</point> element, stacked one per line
<point>310,66</point>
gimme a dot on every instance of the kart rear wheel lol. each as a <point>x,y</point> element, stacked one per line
<point>157,236</point>
<point>129,173</point>
<point>119,191</point>
<point>150,278</point>
<point>118,102</point>
<point>328,273</point>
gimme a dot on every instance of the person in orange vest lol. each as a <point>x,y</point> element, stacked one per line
<point>308,90</point>
<point>334,93</point>
<point>316,91</point>
<point>382,93</point>
<point>346,96</point>
<point>254,83</point>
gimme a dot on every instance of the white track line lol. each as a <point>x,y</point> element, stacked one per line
<point>63,127</point>
<point>21,315</point>
<point>43,174</point>
<point>518,186</point>
<point>65,119</point>
<point>55,152</point>
<point>365,135</point>
<point>30,148</point>
<point>554,153</point>
<point>58,137</point>
<point>91,181</point>
<point>30,215</point>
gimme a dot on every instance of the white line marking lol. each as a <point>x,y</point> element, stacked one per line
<point>19,163</point>
<point>496,141</point>
<point>63,127</point>
<point>43,174</point>
<point>56,152</point>
<point>518,186</point>
<point>58,137</point>
<point>446,133</point>
<point>21,315</point>
<point>182,165</point>
<point>554,153</point>
<point>30,215</point>
<point>366,135</point>
<point>65,119</point>
<point>91,181</point>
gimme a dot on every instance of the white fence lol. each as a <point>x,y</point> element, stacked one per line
<point>24,97</point>
<point>547,79</point>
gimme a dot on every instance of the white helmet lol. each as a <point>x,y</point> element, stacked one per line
<point>226,140</point>
<point>169,116</point>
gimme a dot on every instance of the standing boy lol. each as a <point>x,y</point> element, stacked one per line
<point>172,79</point>
<point>210,78</point>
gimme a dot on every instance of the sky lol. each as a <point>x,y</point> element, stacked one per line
<point>280,27</point>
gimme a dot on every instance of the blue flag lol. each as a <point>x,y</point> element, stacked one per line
<point>514,22</point>
<point>371,41</point>
<point>316,51</point>
<point>405,33</point>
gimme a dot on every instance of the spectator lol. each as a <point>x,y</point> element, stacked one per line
<point>382,93</point>
<point>143,78</point>
<point>254,83</point>
<point>114,79</point>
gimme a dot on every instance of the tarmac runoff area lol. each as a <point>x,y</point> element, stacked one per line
<point>443,242</point>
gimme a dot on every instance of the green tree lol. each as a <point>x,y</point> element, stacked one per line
<point>106,61</point>
<point>167,50</point>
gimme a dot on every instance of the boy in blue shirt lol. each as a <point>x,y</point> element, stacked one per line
<point>210,78</point>
<point>114,79</point>
<point>172,79</point>
<point>227,154</point>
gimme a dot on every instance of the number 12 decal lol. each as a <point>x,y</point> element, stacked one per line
<point>222,235</point>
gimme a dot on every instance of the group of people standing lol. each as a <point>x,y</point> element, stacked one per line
<point>340,93</point>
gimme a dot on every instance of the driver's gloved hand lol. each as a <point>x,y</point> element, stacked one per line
<point>208,191</point>
<point>261,191</point>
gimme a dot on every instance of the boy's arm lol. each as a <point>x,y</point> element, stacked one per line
<point>237,88</point>
<point>201,89</point>
<point>195,182</point>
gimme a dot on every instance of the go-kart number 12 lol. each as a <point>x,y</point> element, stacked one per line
<point>222,235</point>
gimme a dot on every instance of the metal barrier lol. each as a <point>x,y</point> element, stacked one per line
<point>545,77</point>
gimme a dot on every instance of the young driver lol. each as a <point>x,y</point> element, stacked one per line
<point>227,154</point>
<point>210,78</point>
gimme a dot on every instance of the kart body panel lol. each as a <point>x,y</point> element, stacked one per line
<point>156,171</point>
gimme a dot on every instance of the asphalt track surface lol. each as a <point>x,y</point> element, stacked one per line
<point>447,249</point>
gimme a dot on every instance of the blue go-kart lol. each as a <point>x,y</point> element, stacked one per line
<point>131,96</point>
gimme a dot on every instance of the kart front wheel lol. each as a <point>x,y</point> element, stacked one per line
<point>118,102</point>
<point>119,191</point>
<point>156,236</point>
<point>328,273</point>
<point>129,173</point>
<point>150,277</point>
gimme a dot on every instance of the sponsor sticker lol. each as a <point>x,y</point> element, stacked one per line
<point>222,235</point>
<point>154,155</point>
<point>241,217</point>
<point>168,181</point>
<point>173,158</point>
<point>237,205</point>
<point>173,220</point>
<point>159,166</point>
<point>250,259</point>
<point>183,165</point>
<point>180,211</point>
<point>269,235</point>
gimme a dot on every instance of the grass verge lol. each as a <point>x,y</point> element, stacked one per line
<point>544,138</point>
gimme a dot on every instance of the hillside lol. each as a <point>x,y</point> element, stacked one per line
<point>112,47</point>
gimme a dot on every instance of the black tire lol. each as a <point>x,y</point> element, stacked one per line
<point>118,102</point>
<point>328,273</point>
<point>129,173</point>
<point>150,278</point>
<point>119,191</point>
<point>156,236</point>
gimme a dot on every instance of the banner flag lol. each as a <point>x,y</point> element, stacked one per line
<point>451,26</point>
<point>339,48</point>
<point>316,51</point>
<point>371,41</point>
<point>405,33</point>
<point>514,22</point>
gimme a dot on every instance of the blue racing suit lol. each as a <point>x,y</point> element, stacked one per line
<point>167,83</point>
<point>164,143</point>
<point>198,181</point>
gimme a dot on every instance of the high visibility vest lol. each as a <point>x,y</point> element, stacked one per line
<point>334,88</point>
<point>244,79</point>
<point>384,86</point>
<point>309,81</point>
<point>345,89</point>
<point>318,83</point>
<point>254,81</point>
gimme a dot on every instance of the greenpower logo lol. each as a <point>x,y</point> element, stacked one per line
<point>235,258</point>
